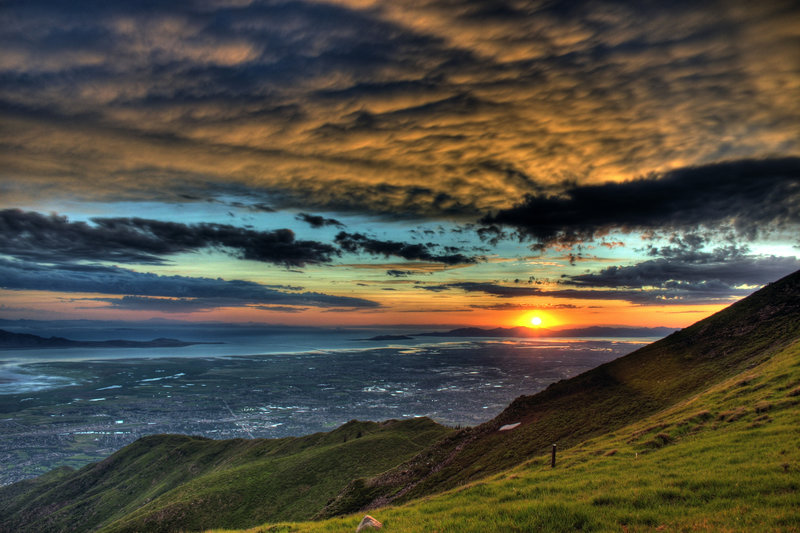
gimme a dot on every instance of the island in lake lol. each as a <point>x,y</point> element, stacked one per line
<point>388,338</point>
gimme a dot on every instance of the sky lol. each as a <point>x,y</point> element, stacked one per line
<point>426,162</point>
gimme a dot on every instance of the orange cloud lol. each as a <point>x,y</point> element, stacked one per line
<point>461,109</point>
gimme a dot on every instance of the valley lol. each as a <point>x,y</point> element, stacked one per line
<point>698,431</point>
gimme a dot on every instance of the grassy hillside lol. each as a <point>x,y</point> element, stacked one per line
<point>170,482</point>
<point>726,459</point>
<point>597,402</point>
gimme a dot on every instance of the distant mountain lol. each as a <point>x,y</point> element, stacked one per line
<point>614,332</point>
<point>22,341</point>
<point>523,332</point>
<point>388,338</point>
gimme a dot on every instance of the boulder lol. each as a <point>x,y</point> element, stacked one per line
<point>368,523</point>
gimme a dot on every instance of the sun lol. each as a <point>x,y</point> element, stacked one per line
<point>537,319</point>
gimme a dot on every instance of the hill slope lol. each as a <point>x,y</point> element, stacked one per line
<point>597,402</point>
<point>171,482</point>
<point>727,459</point>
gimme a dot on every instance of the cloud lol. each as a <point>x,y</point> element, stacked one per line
<point>494,289</point>
<point>693,247</point>
<point>751,197</point>
<point>147,289</point>
<point>316,221</point>
<point>281,308</point>
<point>357,242</point>
<point>402,273</point>
<point>167,305</point>
<point>684,274</point>
<point>711,293</point>
<point>703,275</point>
<point>491,234</point>
<point>33,236</point>
<point>257,207</point>
<point>524,307</point>
<point>438,108</point>
<point>415,267</point>
<point>186,305</point>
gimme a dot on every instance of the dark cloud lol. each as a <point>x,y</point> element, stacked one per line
<point>167,305</point>
<point>277,246</point>
<point>357,242</point>
<point>281,308</point>
<point>684,275</point>
<point>692,247</point>
<point>145,288</point>
<point>703,274</point>
<point>342,310</point>
<point>491,234</point>
<point>524,307</point>
<point>749,196</point>
<point>316,221</point>
<point>30,235</point>
<point>403,273</point>
<point>257,207</point>
<point>186,305</point>
<point>443,310</point>
<point>710,293</point>
<point>494,289</point>
<point>33,236</point>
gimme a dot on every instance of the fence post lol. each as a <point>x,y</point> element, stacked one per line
<point>553,458</point>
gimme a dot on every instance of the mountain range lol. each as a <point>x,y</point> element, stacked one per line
<point>24,341</point>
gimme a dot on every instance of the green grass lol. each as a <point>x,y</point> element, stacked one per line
<point>707,471</point>
<point>167,482</point>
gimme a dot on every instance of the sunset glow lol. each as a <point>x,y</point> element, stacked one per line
<point>541,319</point>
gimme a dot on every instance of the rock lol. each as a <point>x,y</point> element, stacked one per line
<point>368,523</point>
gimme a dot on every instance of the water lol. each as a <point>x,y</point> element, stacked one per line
<point>77,405</point>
